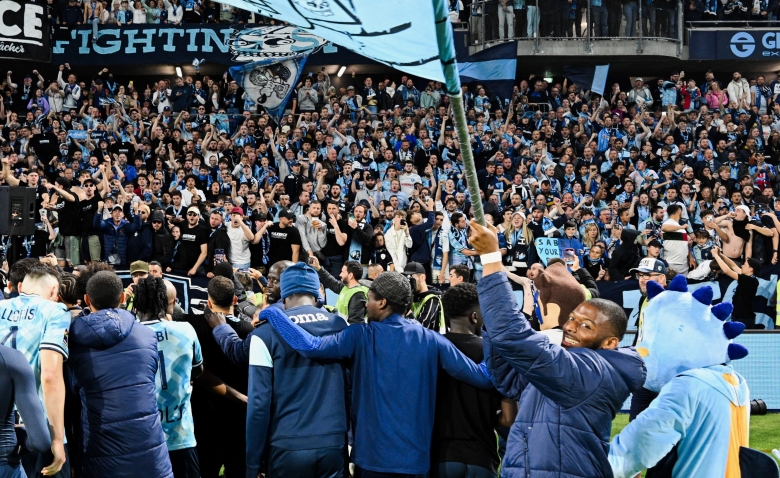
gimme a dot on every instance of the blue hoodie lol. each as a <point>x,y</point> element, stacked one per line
<point>112,363</point>
<point>568,397</point>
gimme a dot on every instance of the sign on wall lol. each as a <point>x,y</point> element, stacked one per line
<point>755,44</point>
<point>24,31</point>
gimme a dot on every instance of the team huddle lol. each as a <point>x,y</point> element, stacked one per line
<point>133,386</point>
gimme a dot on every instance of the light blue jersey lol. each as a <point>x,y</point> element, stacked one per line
<point>178,350</point>
<point>29,324</point>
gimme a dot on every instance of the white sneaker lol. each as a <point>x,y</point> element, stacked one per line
<point>776,453</point>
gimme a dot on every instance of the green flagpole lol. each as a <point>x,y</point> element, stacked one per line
<point>447,55</point>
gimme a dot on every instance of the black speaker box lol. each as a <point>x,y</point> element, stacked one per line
<point>17,210</point>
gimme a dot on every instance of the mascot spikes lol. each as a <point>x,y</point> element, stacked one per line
<point>678,321</point>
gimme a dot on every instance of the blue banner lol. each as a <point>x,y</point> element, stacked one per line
<point>177,44</point>
<point>626,294</point>
<point>268,85</point>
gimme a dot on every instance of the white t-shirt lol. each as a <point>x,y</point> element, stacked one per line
<point>239,246</point>
<point>408,181</point>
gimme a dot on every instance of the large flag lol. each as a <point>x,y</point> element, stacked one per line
<point>268,84</point>
<point>401,34</point>
<point>494,67</point>
<point>593,78</point>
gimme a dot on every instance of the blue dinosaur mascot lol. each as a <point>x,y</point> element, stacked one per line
<point>698,425</point>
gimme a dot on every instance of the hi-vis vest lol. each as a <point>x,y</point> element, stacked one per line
<point>342,303</point>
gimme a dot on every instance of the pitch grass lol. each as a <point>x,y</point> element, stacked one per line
<point>764,430</point>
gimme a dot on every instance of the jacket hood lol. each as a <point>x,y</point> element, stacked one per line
<point>723,379</point>
<point>103,329</point>
<point>628,236</point>
<point>627,362</point>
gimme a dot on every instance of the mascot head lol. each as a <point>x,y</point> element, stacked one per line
<point>682,332</point>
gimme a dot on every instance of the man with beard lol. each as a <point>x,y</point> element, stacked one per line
<point>568,394</point>
<point>162,241</point>
<point>351,303</point>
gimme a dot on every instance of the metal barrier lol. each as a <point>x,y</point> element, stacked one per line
<point>494,21</point>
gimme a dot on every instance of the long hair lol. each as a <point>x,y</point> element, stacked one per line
<point>151,297</point>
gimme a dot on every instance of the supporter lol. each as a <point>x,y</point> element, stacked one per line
<point>426,305</point>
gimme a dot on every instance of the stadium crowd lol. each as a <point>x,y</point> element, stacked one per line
<point>670,176</point>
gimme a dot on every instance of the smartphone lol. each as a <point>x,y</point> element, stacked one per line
<point>351,217</point>
<point>310,260</point>
<point>569,256</point>
<point>403,222</point>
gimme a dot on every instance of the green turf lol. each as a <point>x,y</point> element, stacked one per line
<point>764,430</point>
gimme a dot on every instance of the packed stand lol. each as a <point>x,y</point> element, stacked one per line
<point>359,190</point>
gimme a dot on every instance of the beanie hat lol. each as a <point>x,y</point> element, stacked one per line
<point>556,285</point>
<point>394,287</point>
<point>299,278</point>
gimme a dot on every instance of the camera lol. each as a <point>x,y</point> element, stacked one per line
<point>412,282</point>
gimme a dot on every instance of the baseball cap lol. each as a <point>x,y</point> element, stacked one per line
<point>139,266</point>
<point>638,78</point>
<point>193,209</point>
<point>167,108</point>
<point>237,210</point>
<point>744,209</point>
<point>287,215</point>
<point>413,268</point>
<point>655,243</point>
<point>650,265</point>
<point>117,207</point>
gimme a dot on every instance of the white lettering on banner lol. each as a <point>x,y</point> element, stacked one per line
<point>31,24</point>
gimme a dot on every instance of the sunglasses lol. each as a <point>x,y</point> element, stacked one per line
<point>156,222</point>
<point>193,214</point>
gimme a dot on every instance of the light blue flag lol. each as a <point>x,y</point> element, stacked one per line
<point>268,85</point>
<point>401,34</point>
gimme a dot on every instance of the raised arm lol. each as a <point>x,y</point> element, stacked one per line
<point>336,346</point>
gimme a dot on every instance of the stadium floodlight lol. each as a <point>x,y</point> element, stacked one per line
<point>341,71</point>
<point>178,71</point>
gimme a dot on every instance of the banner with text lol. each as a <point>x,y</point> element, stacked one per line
<point>24,31</point>
<point>176,44</point>
<point>626,294</point>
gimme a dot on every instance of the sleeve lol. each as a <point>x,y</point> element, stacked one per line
<point>300,225</point>
<point>357,309</point>
<point>197,354</point>
<point>459,366</point>
<point>329,281</point>
<point>55,335</point>
<point>647,439</point>
<point>235,349</point>
<point>336,346</point>
<point>258,412</point>
<point>27,402</point>
<point>561,376</point>
<point>505,378</point>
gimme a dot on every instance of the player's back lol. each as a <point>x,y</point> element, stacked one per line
<point>178,351</point>
<point>29,324</point>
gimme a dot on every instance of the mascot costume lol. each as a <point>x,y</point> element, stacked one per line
<point>698,426</point>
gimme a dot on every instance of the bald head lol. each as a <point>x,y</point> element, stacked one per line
<point>170,292</point>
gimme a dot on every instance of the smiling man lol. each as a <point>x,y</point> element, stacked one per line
<point>568,394</point>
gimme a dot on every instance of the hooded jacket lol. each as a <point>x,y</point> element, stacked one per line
<point>140,244</point>
<point>115,237</point>
<point>112,364</point>
<point>568,397</point>
<point>625,256</point>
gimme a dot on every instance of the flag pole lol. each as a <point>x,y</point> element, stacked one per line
<point>444,36</point>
